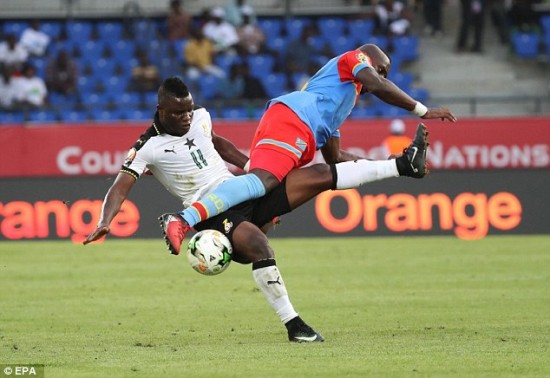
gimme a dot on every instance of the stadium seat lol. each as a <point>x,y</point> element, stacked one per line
<point>390,111</point>
<point>74,116</point>
<point>342,44</point>
<point>271,27</point>
<point>278,45</point>
<point>91,50</point>
<point>11,117</point>
<point>360,30</point>
<point>406,47</point>
<point>178,47</point>
<point>86,85</point>
<point>135,114</point>
<point>331,27</point>
<point>109,30</point>
<point>51,28</point>
<point>318,42</point>
<point>116,85</point>
<point>58,99</point>
<point>225,61</point>
<point>403,80</point>
<point>419,94</point>
<point>260,64</point>
<point>150,99</point>
<point>123,50</point>
<point>208,87</point>
<point>43,116</point>
<point>79,31</point>
<point>105,115</point>
<point>235,113</point>
<point>361,112</point>
<point>294,27</point>
<point>379,40</point>
<point>275,84</point>
<point>129,99</point>
<point>545,24</point>
<point>40,65</point>
<point>15,27</point>
<point>103,68</point>
<point>98,100</point>
<point>526,45</point>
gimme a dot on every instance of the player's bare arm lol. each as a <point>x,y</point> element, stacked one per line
<point>111,205</point>
<point>228,151</point>
<point>332,153</point>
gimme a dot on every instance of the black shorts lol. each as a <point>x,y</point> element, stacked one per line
<point>259,212</point>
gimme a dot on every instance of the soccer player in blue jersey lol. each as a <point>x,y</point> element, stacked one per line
<point>297,124</point>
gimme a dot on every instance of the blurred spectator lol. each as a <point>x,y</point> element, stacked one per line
<point>178,22</point>
<point>30,89</point>
<point>234,11</point>
<point>498,10</point>
<point>199,56</point>
<point>302,78</point>
<point>12,54</point>
<point>241,85</point>
<point>145,76</point>
<point>392,17</point>
<point>432,17</point>
<point>473,14</point>
<point>301,52</point>
<point>62,74</point>
<point>251,36</point>
<point>523,17</point>
<point>7,89</point>
<point>34,40</point>
<point>222,33</point>
<point>397,140</point>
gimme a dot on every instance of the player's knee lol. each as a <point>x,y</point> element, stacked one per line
<point>268,179</point>
<point>260,248</point>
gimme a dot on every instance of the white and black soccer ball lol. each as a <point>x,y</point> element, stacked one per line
<point>209,252</point>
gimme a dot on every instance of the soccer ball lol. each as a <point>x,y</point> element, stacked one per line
<point>209,252</point>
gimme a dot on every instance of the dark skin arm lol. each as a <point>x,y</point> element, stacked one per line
<point>228,151</point>
<point>390,93</point>
<point>374,81</point>
<point>114,198</point>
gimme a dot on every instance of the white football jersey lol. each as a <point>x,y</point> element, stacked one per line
<point>188,166</point>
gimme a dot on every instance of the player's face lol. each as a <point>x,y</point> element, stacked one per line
<point>382,65</point>
<point>175,114</point>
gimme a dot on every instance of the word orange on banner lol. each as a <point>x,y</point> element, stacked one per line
<point>470,214</point>
<point>25,220</point>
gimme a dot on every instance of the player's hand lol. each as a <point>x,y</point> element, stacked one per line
<point>99,232</point>
<point>443,113</point>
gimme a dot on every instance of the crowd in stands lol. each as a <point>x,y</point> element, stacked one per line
<point>232,60</point>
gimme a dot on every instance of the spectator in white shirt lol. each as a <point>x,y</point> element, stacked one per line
<point>30,89</point>
<point>7,89</point>
<point>222,33</point>
<point>12,54</point>
<point>34,40</point>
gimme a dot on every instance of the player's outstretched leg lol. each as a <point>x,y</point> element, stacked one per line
<point>413,161</point>
<point>173,229</point>
<point>300,332</point>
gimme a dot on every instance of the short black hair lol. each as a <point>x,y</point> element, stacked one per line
<point>173,86</point>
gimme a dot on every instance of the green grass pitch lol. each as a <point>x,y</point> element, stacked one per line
<point>388,307</point>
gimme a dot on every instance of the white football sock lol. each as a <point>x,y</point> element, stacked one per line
<point>273,288</point>
<point>352,174</point>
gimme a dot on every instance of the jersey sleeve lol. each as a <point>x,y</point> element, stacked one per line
<point>351,62</point>
<point>202,117</point>
<point>136,162</point>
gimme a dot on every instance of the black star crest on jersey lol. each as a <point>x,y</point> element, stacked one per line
<point>190,143</point>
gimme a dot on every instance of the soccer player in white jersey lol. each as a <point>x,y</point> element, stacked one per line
<point>185,155</point>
